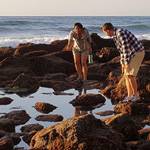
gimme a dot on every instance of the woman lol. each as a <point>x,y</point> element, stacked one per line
<point>80,43</point>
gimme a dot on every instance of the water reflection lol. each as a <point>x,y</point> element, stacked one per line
<point>82,91</point>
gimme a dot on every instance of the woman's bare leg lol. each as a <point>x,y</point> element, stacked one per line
<point>84,66</point>
<point>77,63</point>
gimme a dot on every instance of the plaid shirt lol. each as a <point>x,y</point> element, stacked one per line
<point>127,44</point>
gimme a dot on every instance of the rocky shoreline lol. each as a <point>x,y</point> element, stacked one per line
<point>29,66</point>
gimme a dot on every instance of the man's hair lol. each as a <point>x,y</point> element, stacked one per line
<point>78,25</point>
<point>107,26</point>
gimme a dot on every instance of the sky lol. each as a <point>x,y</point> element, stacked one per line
<point>74,7</point>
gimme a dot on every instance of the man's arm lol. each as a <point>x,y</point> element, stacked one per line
<point>125,48</point>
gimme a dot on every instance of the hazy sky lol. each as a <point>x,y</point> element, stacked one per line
<point>75,7</point>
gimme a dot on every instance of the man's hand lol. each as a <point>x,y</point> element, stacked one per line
<point>122,68</point>
<point>125,68</point>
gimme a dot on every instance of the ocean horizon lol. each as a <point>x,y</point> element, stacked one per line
<point>44,29</point>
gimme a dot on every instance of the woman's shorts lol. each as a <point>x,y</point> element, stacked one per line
<point>135,64</point>
<point>80,52</point>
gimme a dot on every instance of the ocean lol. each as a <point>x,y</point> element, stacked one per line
<point>44,29</point>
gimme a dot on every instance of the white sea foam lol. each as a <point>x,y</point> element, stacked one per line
<point>13,42</point>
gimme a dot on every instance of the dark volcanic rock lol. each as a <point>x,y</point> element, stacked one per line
<point>14,136</point>
<point>31,127</point>
<point>6,52</point>
<point>11,67</point>
<point>125,125</point>
<point>25,81</point>
<point>132,108</point>
<point>6,143</point>
<point>7,125</point>
<point>144,146</point>
<point>105,113</point>
<point>85,132</point>
<point>5,101</point>
<point>88,100</point>
<point>56,85</point>
<point>52,118</point>
<point>35,53</point>
<point>44,107</point>
<point>50,64</point>
<point>28,136</point>
<point>66,55</point>
<point>19,117</point>
<point>29,131</point>
<point>30,47</point>
<point>55,76</point>
<point>98,42</point>
<point>23,85</point>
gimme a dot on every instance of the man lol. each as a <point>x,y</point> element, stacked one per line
<point>131,57</point>
<point>80,44</point>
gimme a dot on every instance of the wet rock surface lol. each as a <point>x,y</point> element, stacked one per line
<point>7,125</point>
<point>44,107</point>
<point>84,132</point>
<point>6,143</point>
<point>87,101</point>
<point>5,101</point>
<point>19,117</point>
<point>51,118</point>
<point>125,125</point>
<point>132,108</point>
<point>31,127</point>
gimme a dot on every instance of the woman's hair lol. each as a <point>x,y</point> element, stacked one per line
<point>78,25</point>
<point>107,26</point>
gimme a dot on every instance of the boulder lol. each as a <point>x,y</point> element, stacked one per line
<point>132,108</point>
<point>55,46</point>
<point>144,146</point>
<point>99,43</point>
<point>55,76</point>
<point>35,53</point>
<point>105,113</point>
<point>28,136</point>
<point>44,107</point>
<point>6,52</point>
<point>88,101</point>
<point>66,55</point>
<point>7,125</point>
<point>6,143</point>
<point>85,132</point>
<point>23,85</point>
<point>31,127</point>
<point>51,118</point>
<point>18,116</point>
<point>50,64</point>
<point>125,125</point>
<point>5,100</point>
<point>56,84</point>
